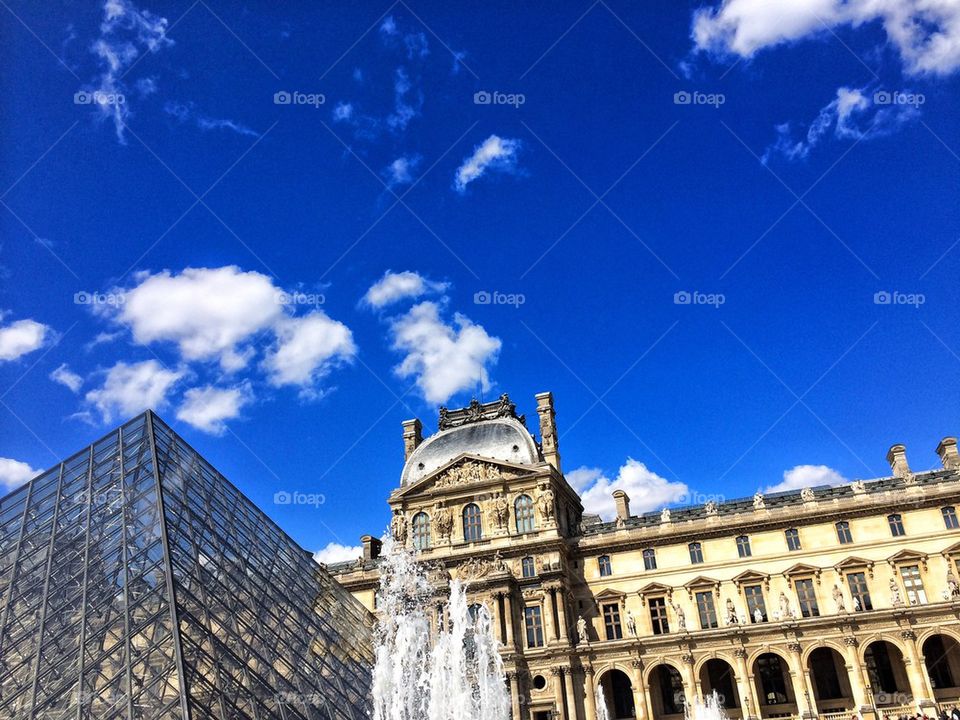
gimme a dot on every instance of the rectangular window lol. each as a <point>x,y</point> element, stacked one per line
<point>859,591</point>
<point>755,603</point>
<point>743,546</point>
<point>913,585</point>
<point>807,598</point>
<point>843,533</point>
<point>696,553</point>
<point>708,613</point>
<point>603,562</point>
<point>950,517</point>
<point>658,616</point>
<point>534,625</point>
<point>896,525</point>
<point>793,539</point>
<point>611,621</point>
<point>649,559</point>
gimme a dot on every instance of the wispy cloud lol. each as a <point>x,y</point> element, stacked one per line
<point>396,286</point>
<point>400,171</point>
<point>495,154</point>
<point>66,377</point>
<point>853,114</point>
<point>185,112</point>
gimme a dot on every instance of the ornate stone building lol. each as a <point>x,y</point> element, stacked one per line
<point>827,601</point>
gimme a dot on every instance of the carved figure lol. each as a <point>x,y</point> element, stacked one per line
<point>896,598</point>
<point>398,527</point>
<point>838,599</point>
<point>785,611</point>
<point>443,521</point>
<point>582,629</point>
<point>681,618</point>
<point>631,624</point>
<point>499,511</point>
<point>807,495</point>
<point>545,503</point>
<point>758,503</point>
<point>757,615</point>
<point>665,515</point>
<point>732,618</point>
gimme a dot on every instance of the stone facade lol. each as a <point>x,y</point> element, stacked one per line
<point>827,601</point>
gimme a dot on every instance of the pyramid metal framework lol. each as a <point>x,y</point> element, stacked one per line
<point>137,582</point>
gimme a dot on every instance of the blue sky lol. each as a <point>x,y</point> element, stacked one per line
<point>723,234</point>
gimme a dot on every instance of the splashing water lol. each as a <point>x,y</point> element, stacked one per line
<point>710,708</point>
<point>601,701</point>
<point>455,673</point>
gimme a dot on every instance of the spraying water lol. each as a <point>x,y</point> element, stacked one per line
<point>710,708</point>
<point>455,673</point>
<point>601,701</point>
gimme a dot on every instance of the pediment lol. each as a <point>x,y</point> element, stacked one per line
<point>702,581</point>
<point>655,588</point>
<point>463,470</point>
<point>952,550</point>
<point>907,556</point>
<point>610,594</point>
<point>801,569</point>
<point>751,576</point>
<point>854,563</point>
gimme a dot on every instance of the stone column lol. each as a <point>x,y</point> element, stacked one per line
<point>916,671</point>
<point>691,686</point>
<point>564,628</point>
<point>855,673</point>
<point>557,690</point>
<point>802,688</point>
<point>495,615</point>
<point>508,616</point>
<point>514,679</point>
<point>639,691</point>
<point>549,630</point>
<point>571,695</point>
<point>743,684</point>
<point>589,694</point>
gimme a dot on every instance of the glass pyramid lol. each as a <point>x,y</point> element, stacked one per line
<point>137,582</point>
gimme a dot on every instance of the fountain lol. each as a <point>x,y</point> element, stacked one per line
<point>710,708</point>
<point>453,674</point>
<point>601,701</point>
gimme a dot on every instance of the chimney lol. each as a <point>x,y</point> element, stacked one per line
<point>548,429</point>
<point>897,457</point>
<point>623,504</point>
<point>947,450</point>
<point>371,547</point>
<point>412,437</point>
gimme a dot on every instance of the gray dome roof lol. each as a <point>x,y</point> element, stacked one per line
<point>499,439</point>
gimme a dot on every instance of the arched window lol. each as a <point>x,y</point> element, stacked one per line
<point>527,567</point>
<point>649,559</point>
<point>421,531</point>
<point>523,512</point>
<point>603,563</point>
<point>950,517</point>
<point>472,528</point>
<point>843,533</point>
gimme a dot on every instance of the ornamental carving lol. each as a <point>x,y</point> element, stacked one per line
<point>908,635</point>
<point>740,653</point>
<point>398,527</point>
<point>687,658</point>
<point>794,647</point>
<point>546,505</point>
<point>474,569</point>
<point>498,511</point>
<point>477,411</point>
<point>850,641</point>
<point>807,495</point>
<point>443,521</point>
<point>468,472</point>
<point>758,503</point>
<point>636,664</point>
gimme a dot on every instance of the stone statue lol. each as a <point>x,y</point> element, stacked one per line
<point>838,599</point>
<point>858,486</point>
<point>498,564</point>
<point>953,587</point>
<point>582,629</point>
<point>758,503</point>
<point>757,615</point>
<point>732,618</point>
<point>856,604</point>
<point>896,599</point>
<point>631,624</point>
<point>711,507</point>
<point>499,511</point>
<point>665,515</point>
<point>807,495</point>
<point>398,527</point>
<point>681,618</point>
<point>545,503</point>
<point>443,521</point>
<point>785,611</point>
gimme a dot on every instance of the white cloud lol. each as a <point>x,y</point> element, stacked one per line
<point>66,377</point>
<point>399,171</point>
<point>307,348</point>
<point>22,337</point>
<point>389,26</point>
<point>131,389</point>
<point>926,33</point>
<point>209,313</point>
<point>186,111</point>
<point>342,111</point>
<point>801,476</point>
<point>14,473</point>
<point>126,33</point>
<point>646,490</point>
<point>495,153</point>
<point>444,359</point>
<point>395,286</point>
<point>335,552</point>
<point>853,114</point>
<point>405,109</point>
<point>207,408</point>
